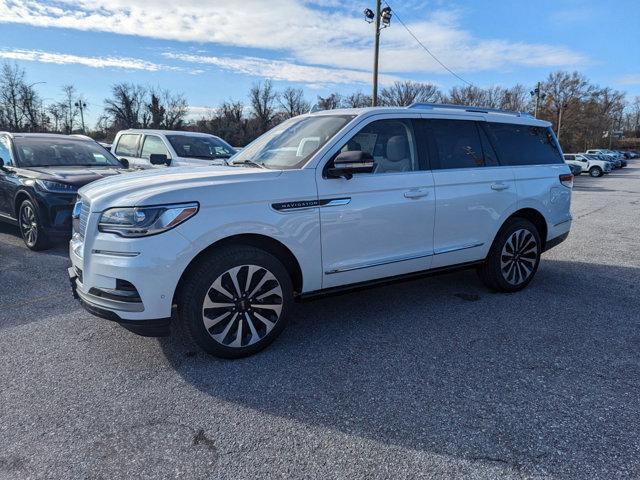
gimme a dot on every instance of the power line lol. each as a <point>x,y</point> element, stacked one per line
<point>426,49</point>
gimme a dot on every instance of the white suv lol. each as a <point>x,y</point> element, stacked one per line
<point>589,163</point>
<point>322,202</point>
<point>144,148</point>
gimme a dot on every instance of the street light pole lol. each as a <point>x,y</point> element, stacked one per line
<point>562,107</point>
<point>382,19</point>
<point>81,105</point>
<point>376,51</point>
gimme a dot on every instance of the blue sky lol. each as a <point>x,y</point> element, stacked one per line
<point>213,51</point>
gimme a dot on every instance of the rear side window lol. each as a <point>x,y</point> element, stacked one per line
<point>458,144</point>
<point>569,157</point>
<point>524,144</point>
<point>128,145</point>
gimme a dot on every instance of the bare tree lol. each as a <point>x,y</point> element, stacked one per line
<point>11,84</point>
<point>357,100</point>
<point>70,95</point>
<point>293,103</point>
<point>408,92</point>
<point>330,102</point>
<point>126,107</point>
<point>175,110</point>
<point>262,97</point>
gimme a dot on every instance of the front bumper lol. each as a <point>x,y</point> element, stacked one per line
<point>95,305</point>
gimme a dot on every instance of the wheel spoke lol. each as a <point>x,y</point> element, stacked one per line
<point>212,322</point>
<point>209,304</point>
<point>221,336</point>
<point>252,269</point>
<point>254,334</point>
<point>267,276</point>
<point>275,307</point>
<point>274,291</point>
<point>233,273</point>
<point>269,324</point>
<point>237,342</point>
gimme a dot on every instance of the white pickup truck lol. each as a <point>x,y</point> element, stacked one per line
<point>596,168</point>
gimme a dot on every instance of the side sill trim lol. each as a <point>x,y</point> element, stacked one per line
<point>440,251</point>
<point>378,263</point>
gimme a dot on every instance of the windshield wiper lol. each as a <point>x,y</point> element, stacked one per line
<point>249,163</point>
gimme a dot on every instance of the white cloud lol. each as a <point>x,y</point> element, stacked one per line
<point>306,31</point>
<point>283,70</point>
<point>630,79</point>
<point>94,62</point>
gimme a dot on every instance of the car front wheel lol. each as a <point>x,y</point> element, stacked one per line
<point>31,228</point>
<point>514,257</point>
<point>235,302</point>
<point>595,172</point>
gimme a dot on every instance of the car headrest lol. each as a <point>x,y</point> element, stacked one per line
<point>397,148</point>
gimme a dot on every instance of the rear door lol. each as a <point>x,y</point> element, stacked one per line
<point>536,159</point>
<point>473,191</point>
<point>128,147</point>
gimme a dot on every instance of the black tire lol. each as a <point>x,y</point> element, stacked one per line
<point>595,172</point>
<point>247,316</point>
<point>30,227</point>
<point>524,259</point>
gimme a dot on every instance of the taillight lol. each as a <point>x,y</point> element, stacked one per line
<point>566,179</point>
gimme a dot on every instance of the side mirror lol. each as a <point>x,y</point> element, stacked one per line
<point>348,163</point>
<point>124,162</point>
<point>159,159</point>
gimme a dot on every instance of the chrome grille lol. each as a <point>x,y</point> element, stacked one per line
<point>84,214</point>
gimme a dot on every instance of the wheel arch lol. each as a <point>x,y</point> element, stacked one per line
<point>263,242</point>
<point>535,217</point>
<point>20,197</point>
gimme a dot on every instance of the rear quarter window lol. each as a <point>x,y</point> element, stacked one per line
<point>128,145</point>
<point>524,144</point>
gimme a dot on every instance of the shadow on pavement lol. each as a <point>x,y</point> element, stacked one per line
<point>525,380</point>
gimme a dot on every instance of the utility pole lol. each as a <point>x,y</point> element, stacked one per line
<point>562,107</point>
<point>536,92</point>
<point>81,105</point>
<point>382,19</point>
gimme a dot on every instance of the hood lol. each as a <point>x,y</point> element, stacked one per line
<point>167,185</point>
<point>76,176</point>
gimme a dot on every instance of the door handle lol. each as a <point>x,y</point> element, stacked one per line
<point>499,186</point>
<point>418,193</point>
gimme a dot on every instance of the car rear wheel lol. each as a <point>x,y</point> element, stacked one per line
<point>235,303</point>
<point>514,257</point>
<point>31,228</point>
<point>595,172</point>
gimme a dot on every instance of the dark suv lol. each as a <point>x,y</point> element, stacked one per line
<point>39,177</point>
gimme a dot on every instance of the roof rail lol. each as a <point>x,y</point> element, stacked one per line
<point>467,108</point>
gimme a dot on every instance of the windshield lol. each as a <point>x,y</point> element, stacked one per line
<point>292,143</point>
<point>62,152</point>
<point>196,146</point>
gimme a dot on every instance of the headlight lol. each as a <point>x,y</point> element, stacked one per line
<point>55,187</point>
<point>144,221</point>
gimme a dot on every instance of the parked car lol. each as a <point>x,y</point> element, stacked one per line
<point>321,203</point>
<point>39,178</point>
<point>589,163</point>
<point>608,154</point>
<point>158,148</point>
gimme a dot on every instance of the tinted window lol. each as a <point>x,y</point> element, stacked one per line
<point>569,157</point>
<point>525,144</point>
<point>490,156</point>
<point>62,151</point>
<point>128,145</point>
<point>153,145</point>
<point>458,144</point>
<point>5,151</point>
<point>391,143</point>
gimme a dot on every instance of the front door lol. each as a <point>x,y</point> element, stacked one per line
<point>378,224</point>
<point>128,148</point>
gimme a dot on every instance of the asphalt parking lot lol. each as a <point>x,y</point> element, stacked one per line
<point>435,378</point>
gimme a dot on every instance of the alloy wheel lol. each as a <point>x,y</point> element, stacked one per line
<point>29,225</point>
<point>242,306</point>
<point>519,256</point>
